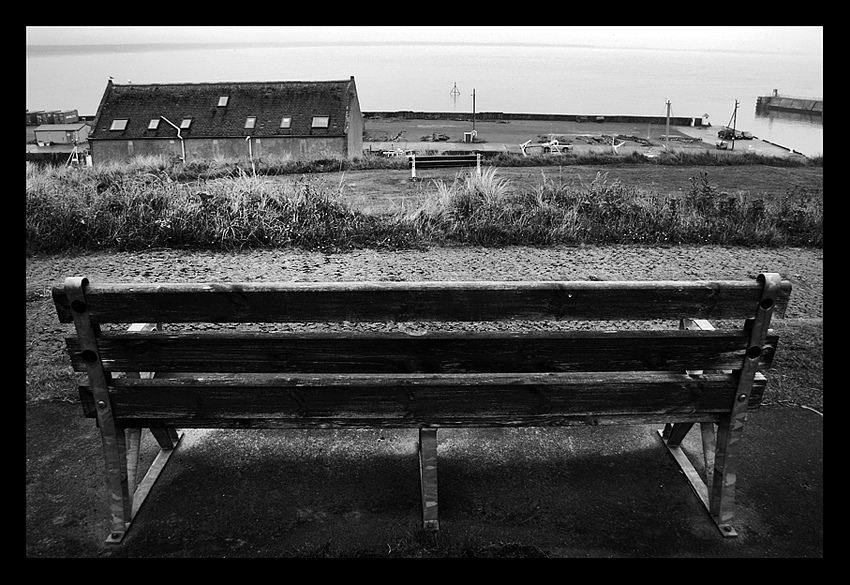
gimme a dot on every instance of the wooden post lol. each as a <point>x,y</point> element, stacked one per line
<point>428,478</point>
<point>734,123</point>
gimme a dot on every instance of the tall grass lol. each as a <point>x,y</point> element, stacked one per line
<point>224,205</point>
<point>488,212</point>
<point>108,208</point>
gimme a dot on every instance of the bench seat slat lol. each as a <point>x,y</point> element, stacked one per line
<point>425,397</point>
<point>419,301</point>
<point>388,352</point>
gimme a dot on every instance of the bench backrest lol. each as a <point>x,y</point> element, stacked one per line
<point>443,161</point>
<point>337,358</point>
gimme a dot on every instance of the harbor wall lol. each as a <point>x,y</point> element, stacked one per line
<point>789,104</point>
<point>507,116</point>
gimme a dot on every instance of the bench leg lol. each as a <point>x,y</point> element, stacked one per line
<point>122,457</point>
<point>165,436</point>
<point>717,490</point>
<point>428,477</point>
<point>134,441</point>
<point>117,487</point>
<point>675,433</point>
<point>724,471</point>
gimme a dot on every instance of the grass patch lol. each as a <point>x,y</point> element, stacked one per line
<point>797,373</point>
<point>485,211</point>
<point>148,204</point>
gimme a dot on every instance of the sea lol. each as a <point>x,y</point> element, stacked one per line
<point>720,85</point>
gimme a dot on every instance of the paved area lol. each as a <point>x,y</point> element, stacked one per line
<point>596,492</point>
<point>507,137</point>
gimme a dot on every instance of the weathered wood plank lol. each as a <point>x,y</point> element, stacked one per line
<point>419,301</point>
<point>260,422</point>
<point>357,352</point>
<point>423,397</point>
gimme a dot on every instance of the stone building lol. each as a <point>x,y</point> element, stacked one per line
<point>301,119</point>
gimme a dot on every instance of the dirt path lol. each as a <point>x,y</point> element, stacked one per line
<point>804,267</point>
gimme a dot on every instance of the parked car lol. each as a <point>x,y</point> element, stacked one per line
<point>729,134</point>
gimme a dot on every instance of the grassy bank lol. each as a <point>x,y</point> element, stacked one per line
<point>220,205</point>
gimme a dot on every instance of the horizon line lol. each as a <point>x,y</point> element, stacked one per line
<point>50,48</point>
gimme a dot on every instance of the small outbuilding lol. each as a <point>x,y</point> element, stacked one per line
<point>300,119</point>
<point>62,133</point>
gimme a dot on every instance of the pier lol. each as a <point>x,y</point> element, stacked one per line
<point>812,107</point>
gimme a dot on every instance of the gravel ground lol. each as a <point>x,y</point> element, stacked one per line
<point>803,267</point>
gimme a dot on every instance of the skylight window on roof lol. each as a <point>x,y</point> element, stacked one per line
<point>222,101</point>
<point>185,123</point>
<point>250,121</point>
<point>320,122</point>
<point>286,122</point>
<point>119,124</point>
<point>153,124</point>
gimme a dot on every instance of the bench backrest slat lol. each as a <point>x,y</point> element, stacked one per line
<point>409,401</point>
<point>387,352</point>
<point>419,301</point>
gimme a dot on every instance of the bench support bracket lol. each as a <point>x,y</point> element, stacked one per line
<point>701,488</point>
<point>722,449</point>
<point>144,488</point>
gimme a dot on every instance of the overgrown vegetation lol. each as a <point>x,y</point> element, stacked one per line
<point>221,205</point>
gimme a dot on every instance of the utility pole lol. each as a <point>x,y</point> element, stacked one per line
<point>734,122</point>
<point>473,110</point>
<point>667,135</point>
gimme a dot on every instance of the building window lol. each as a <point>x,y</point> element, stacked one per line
<point>185,123</point>
<point>320,122</point>
<point>286,122</point>
<point>120,124</point>
<point>222,101</point>
<point>250,121</point>
<point>153,124</point>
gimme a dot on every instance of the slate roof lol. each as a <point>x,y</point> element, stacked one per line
<point>269,102</point>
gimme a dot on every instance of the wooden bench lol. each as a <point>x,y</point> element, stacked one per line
<point>545,370</point>
<point>415,161</point>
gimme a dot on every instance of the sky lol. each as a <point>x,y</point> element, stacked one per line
<point>784,39</point>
